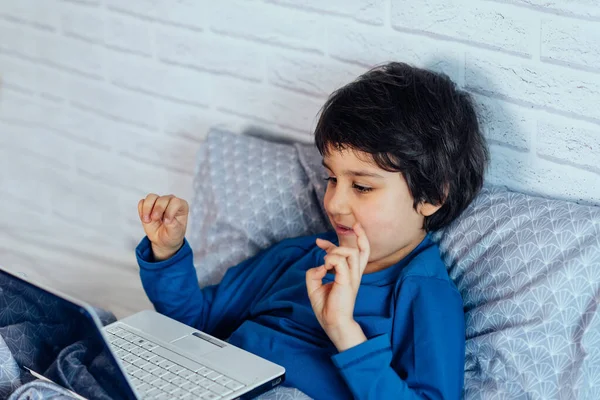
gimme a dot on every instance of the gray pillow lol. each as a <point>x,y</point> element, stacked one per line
<point>528,269</point>
<point>249,194</point>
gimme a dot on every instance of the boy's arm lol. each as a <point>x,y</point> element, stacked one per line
<point>430,338</point>
<point>172,286</point>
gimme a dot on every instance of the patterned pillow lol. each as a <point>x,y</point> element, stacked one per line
<point>529,272</point>
<point>249,194</point>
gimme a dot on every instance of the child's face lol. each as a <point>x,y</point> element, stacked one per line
<point>381,203</point>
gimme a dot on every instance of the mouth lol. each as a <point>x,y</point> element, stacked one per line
<point>343,230</point>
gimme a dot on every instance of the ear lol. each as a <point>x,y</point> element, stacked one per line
<point>427,209</point>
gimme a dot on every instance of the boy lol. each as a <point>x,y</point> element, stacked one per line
<point>367,310</point>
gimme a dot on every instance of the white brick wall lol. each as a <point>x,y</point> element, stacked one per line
<point>102,101</point>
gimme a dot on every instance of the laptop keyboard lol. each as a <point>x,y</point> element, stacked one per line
<point>158,373</point>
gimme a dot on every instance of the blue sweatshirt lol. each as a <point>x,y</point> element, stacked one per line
<point>411,313</point>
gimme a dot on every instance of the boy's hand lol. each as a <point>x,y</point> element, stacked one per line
<point>164,219</point>
<point>333,302</point>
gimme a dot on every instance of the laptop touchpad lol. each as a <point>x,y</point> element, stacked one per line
<point>195,345</point>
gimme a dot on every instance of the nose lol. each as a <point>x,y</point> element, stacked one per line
<point>337,201</point>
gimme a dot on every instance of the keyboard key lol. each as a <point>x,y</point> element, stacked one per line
<point>188,386</point>
<point>150,367</point>
<point>140,374</point>
<point>179,381</point>
<point>148,378</point>
<point>210,396</point>
<point>204,371</point>
<point>159,383</point>
<point>130,358</point>
<point>177,369</point>
<point>163,396</point>
<point>137,351</point>
<point>149,346</point>
<point>128,346</point>
<point>234,385</point>
<point>200,380</point>
<point>169,388</point>
<point>222,380</point>
<point>146,355</point>
<point>220,390</point>
<point>178,392</point>
<point>186,373</point>
<point>213,375</point>
<point>156,360</point>
<point>166,364</point>
<point>169,376</point>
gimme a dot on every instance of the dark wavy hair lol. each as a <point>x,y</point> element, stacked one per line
<point>416,122</point>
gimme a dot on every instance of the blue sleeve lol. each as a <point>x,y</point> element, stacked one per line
<point>428,362</point>
<point>172,287</point>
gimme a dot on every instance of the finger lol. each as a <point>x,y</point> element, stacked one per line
<point>147,206</point>
<point>363,244</point>
<point>140,205</point>
<point>175,208</point>
<point>353,260</point>
<point>314,279</point>
<point>160,205</point>
<point>325,244</point>
<point>342,270</point>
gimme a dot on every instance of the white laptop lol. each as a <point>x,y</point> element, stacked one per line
<point>146,355</point>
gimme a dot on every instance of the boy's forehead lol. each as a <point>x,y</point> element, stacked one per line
<point>349,157</point>
<point>349,154</point>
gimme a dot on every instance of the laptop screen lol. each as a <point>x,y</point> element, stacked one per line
<point>57,339</point>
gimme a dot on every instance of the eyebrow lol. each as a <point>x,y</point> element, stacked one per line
<point>355,173</point>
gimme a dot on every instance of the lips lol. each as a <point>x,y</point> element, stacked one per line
<point>342,226</point>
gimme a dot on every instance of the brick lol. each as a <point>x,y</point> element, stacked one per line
<point>82,21</point>
<point>523,173</point>
<point>65,52</point>
<point>113,102</point>
<point>369,11</point>
<point>71,53</point>
<point>571,42</point>
<point>215,54</point>
<point>24,75</point>
<point>158,149</point>
<point>130,34</point>
<point>18,74</point>
<point>133,175</point>
<point>368,47</point>
<point>190,13</point>
<point>583,8</point>
<point>100,131</point>
<point>43,144</point>
<point>167,81</point>
<point>505,123</point>
<point>269,104</point>
<point>29,110</point>
<point>19,39</point>
<point>312,75</point>
<point>268,24</point>
<point>39,13</point>
<point>570,143</point>
<point>488,25</point>
<point>548,86</point>
<point>28,176</point>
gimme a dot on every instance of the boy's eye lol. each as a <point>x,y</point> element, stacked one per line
<point>360,189</point>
